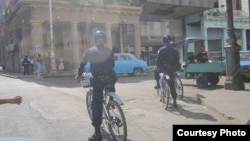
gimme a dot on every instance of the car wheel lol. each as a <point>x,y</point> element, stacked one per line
<point>137,72</point>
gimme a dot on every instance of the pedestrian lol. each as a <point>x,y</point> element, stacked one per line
<point>143,56</point>
<point>31,67</point>
<point>61,65</point>
<point>39,65</point>
<point>167,62</point>
<point>101,60</point>
<point>11,100</point>
<point>25,64</point>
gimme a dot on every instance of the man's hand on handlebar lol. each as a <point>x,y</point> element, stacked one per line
<point>77,77</point>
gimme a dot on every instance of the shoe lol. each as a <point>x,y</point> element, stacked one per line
<point>95,137</point>
<point>157,86</point>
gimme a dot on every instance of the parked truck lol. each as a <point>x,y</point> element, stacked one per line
<point>206,73</point>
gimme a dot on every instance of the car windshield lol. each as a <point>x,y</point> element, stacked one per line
<point>245,56</point>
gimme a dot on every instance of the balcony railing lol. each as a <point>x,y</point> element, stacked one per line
<point>107,2</point>
<point>190,3</point>
<point>218,12</point>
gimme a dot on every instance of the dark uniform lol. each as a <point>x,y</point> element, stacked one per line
<point>25,64</point>
<point>156,70</point>
<point>101,61</point>
<point>167,59</point>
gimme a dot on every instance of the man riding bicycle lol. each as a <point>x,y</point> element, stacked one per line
<point>167,61</point>
<point>156,70</point>
<point>101,59</point>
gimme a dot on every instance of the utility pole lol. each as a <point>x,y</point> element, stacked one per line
<point>52,51</point>
<point>234,80</point>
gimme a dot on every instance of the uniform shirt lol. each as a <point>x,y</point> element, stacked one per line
<point>167,59</point>
<point>101,60</point>
<point>25,61</point>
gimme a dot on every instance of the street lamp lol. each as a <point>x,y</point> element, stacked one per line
<point>52,52</point>
<point>234,79</point>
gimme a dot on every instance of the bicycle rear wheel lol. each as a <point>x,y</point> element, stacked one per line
<point>89,103</point>
<point>118,125</point>
<point>179,87</point>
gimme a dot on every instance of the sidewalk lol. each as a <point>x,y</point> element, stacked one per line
<point>233,105</point>
<point>20,75</point>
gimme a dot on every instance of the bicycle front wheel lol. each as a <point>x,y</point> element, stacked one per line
<point>118,125</point>
<point>179,87</point>
<point>167,96</point>
<point>89,103</point>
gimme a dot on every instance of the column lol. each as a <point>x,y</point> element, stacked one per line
<point>205,39</point>
<point>37,45</point>
<point>37,37</point>
<point>225,41</point>
<point>75,46</point>
<point>243,40</point>
<point>109,36</point>
<point>121,38</point>
<point>137,40</point>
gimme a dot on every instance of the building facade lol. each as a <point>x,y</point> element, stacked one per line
<point>168,16</point>
<point>131,26</point>
<point>212,26</point>
<point>27,27</point>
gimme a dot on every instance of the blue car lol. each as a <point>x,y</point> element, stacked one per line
<point>126,63</point>
<point>245,64</point>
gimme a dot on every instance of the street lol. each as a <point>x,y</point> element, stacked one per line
<point>53,109</point>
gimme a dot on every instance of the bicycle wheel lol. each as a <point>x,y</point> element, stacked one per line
<point>89,103</point>
<point>167,96</point>
<point>179,87</point>
<point>158,92</point>
<point>118,125</point>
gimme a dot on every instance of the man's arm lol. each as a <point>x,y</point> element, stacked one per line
<point>11,100</point>
<point>82,64</point>
<point>158,59</point>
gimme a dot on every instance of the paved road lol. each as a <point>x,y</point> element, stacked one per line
<point>54,109</point>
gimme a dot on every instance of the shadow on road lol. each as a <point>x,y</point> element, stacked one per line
<point>190,114</point>
<point>207,88</point>
<point>107,137</point>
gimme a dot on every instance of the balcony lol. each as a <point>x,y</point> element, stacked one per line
<point>216,18</point>
<point>175,8</point>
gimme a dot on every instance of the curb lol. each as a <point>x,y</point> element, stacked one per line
<point>212,108</point>
<point>34,76</point>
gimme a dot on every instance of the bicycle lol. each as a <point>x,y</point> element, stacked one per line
<point>114,121</point>
<point>178,86</point>
<point>164,90</point>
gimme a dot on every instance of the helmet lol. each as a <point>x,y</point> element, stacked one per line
<point>166,38</point>
<point>100,36</point>
<point>172,44</point>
